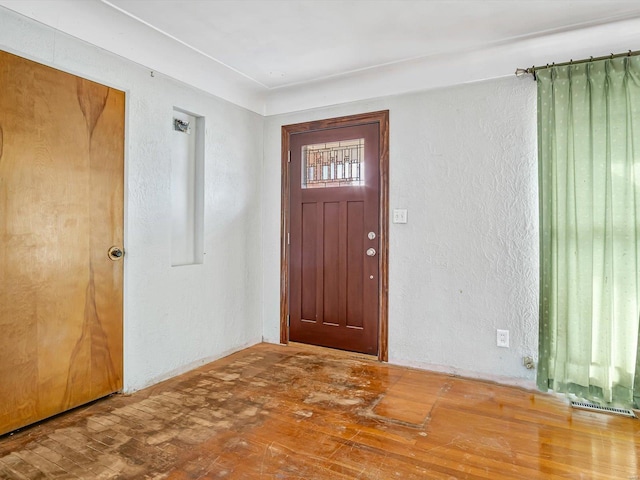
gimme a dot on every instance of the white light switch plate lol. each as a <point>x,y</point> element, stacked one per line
<point>399,215</point>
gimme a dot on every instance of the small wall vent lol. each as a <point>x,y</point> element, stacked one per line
<point>597,408</point>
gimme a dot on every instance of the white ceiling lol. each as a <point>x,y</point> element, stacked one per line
<point>281,55</point>
<point>282,42</point>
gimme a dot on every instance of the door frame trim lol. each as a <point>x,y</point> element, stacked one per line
<point>382,119</point>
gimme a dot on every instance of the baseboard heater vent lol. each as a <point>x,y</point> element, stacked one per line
<point>597,408</point>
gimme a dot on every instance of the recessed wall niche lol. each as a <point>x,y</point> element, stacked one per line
<point>187,188</point>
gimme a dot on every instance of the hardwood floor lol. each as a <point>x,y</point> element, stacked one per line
<point>296,412</point>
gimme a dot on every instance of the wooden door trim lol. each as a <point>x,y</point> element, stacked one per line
<point>382,119</point>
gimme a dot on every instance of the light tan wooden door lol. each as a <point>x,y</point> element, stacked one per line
<point>61,209</point>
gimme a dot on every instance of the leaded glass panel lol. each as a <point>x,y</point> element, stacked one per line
<point>335,164</point>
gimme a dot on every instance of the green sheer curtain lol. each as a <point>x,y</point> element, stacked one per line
<point>589,183</point>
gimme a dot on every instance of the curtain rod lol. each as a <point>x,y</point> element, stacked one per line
<point>534,69</point>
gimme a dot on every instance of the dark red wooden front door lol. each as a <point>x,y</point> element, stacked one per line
<point>334,228</point>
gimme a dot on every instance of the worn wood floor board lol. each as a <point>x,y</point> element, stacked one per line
<point>5,472</point>
<point>50,469</point>
<point>510,465</point>
<point>327,451</point>
<point>63,464</point>
<point>470,432</point>
<point>299,412</point>
<point>21,468</point>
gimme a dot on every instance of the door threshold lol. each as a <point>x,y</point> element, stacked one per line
<point>320,349</point>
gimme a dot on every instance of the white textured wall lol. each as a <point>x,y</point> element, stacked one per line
<point>175,317</point>
<point>463,162</point>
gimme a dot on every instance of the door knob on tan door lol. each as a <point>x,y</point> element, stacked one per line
<point>115,253</point>
<point>371,252</point>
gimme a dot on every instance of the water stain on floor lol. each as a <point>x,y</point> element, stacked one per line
<point>273,412</point>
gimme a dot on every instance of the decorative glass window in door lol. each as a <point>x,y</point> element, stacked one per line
<point>335,164</point>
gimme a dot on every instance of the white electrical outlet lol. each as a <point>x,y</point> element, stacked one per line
<point>502,339</point>
<point>399,215</point>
